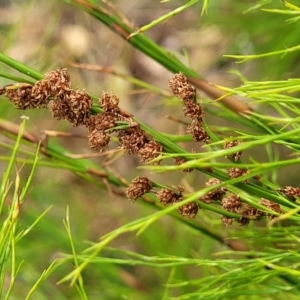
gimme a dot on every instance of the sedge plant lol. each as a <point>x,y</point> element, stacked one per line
<point>243,212</point>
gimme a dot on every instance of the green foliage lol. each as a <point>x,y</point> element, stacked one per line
<point>75,237</point>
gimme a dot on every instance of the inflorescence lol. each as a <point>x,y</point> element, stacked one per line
<point>54,92</point>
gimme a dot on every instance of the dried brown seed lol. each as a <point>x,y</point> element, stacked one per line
<point>150,151</point>
<point>290,192</point>
<point>181,160</point>
<point>251,211</point>
<point>167,196</point>
<point>98,140</point>
<point>139,186</point>
<point>132,139</point>
<point>189,210</point>
<point>109,102</point>
<point>181,88</point>
<point>21,97</point>
<point>272,206</point>
<point>59,81</point>
<point>243,221</point>
<point>235,156</point>
<point>216,194</point>
<point>59,108</point>
<point>41,92</point>
<point>227,221</point>
<point>232,203</point>
<point>236,172</point>
<point>79,103</point>
<point>102,121</point>
<point>193,110</point>
<point>198,132</point>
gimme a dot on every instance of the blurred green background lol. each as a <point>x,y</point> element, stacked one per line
<point>46,35</point>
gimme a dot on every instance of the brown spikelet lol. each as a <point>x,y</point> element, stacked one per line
<point>79,103</point>
<point>189,210</point>
<point>290,192</point>
<point>150,151</point>
<point>251,211</point>
<point>198,132</point>
<point>109,102</point>
<point>193,110</point>
<point>232,203</point>
<point>235,156</point>
<point>21,96</point>
<point>41,92</point>
<point>272,206</point>
<point>181,160</point>
<point>167,196</point>
<point>236,172</point>
<point>132,139</point>
<point>214,195</point>
<point>181,88</point>
<point>227,221</point>
<point>59,109</point>
<point>59,81</point>
<point>139,186</point>
<point>98,140</point>
<point>243,221</point>
<point>103,121</point>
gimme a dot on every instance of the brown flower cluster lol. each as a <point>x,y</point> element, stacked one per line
<point>167,196</point>
<point>290,192</point>
<point>174,195</point>
<point>185,92</point>
<point>230,144</point>
<point>233,203</point>
<point>181,160</point>
<point>139,186</point>
<point>54,92</point>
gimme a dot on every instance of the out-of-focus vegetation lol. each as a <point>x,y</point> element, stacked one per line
<point>145,251</point>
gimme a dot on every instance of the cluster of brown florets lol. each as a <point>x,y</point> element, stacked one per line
<point>191,109</point>
<point>290,192</point>
<point>54,92</point>
<point>233,203</point>
<point>234,172</point>
<point>167,196</point>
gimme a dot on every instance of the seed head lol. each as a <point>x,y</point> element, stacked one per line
<point>41,92</point>
<point>181,160</point>
<point>272,206</point>
<point>59,81</point>
<point>235,156</point>
<point>21,97</point>
<point>98,140</point>
<point>79,103</point>
<point>232,203</point>
<point>226,221</point>
<point>189,210</point>
<point>236,172</point>
<point>290,192</point>
<point>193,110</point>
<point>198,132</point>
<point>139,186</point>
<point>214,195</point>
<point>167,196</point>
<point>132,139</point>
<point>109,102</point>
<point>150,151</point>
<point>181,88</point>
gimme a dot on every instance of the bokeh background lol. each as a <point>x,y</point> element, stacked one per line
<point>49,34</point>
